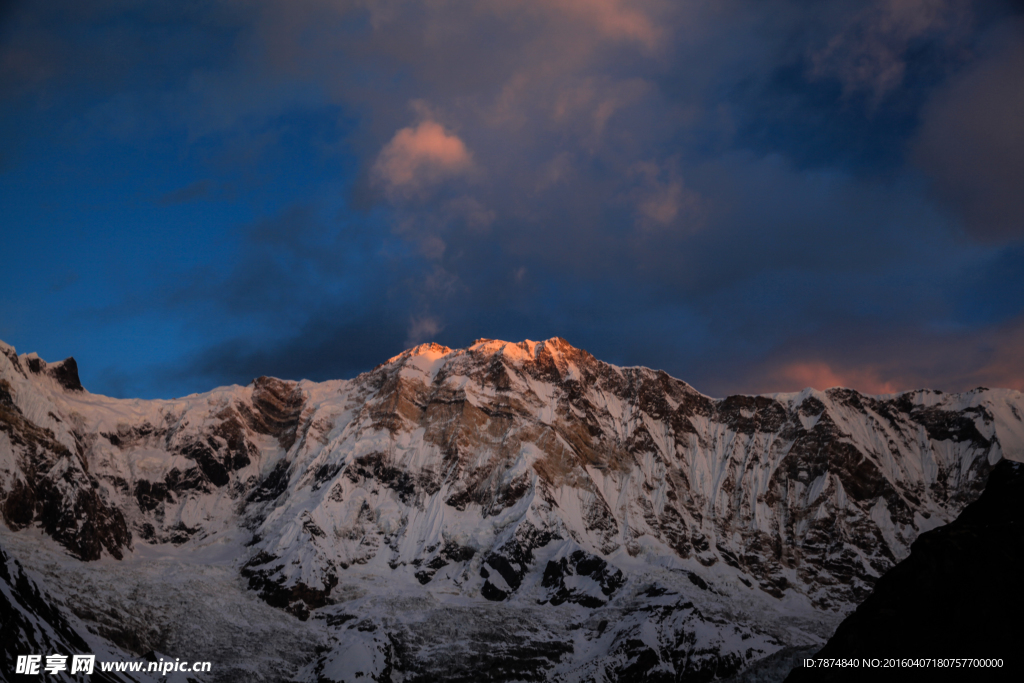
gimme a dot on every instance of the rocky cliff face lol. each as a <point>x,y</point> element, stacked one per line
<point>627,524</point>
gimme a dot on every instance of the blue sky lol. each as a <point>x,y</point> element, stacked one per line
<point>752,196</point>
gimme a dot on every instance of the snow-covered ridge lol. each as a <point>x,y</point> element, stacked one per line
<point>523,474</point>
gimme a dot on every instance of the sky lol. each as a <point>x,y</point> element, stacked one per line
<point>753,196</point>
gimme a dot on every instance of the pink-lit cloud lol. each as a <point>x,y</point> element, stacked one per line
<point>418,157</point>
<point>989,357</point>
<point>628,20</point>
<point>821,375</point>
<point>663,200</point>
<point>1004,364</point>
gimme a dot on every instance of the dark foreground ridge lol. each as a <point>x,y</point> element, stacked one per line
<point>958,595</point>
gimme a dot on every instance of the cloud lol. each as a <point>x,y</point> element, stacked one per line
<point>578,22</point>
<point>696,186</point>
<point>421,330</point>
<point>662,199</point>
<point>1001,363</point>
<point>628,20</point>
<point>876,359</point>
<point>338,344</point>
<point>971,141</point>
<point>191,192</point>
<point>868,52</point>
<point>821,375</point>
<point>65,281</point>
<point>417,158</point>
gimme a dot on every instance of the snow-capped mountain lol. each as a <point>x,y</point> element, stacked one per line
<point>501,512</point>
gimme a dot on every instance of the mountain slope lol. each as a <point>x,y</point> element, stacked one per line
<point>628,524</point>
<point>35,624</point>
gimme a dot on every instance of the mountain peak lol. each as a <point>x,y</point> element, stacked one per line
<point>555,346</point>
<point>527,350</point>
<point>426,349</point>
<point>65,372</point>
